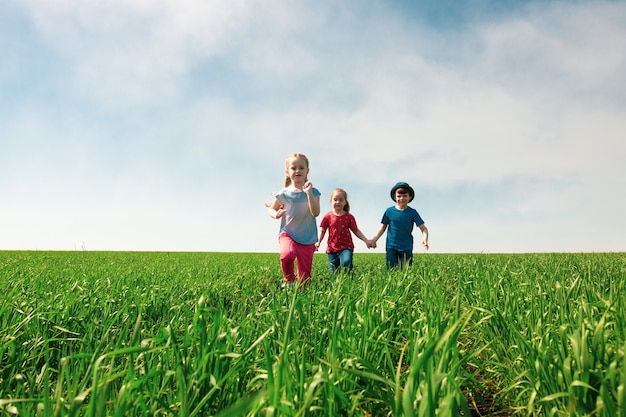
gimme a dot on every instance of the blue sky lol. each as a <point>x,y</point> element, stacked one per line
<point>163,125</point>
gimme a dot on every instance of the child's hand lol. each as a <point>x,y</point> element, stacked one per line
<point>280,212</point>
<point>307,186</point>
<point>425,244</point>
<point>317,246</point>
<point>371,244</point>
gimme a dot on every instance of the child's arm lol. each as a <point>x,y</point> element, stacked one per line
<point>322,233</point>
<point>424,236</point>
<point>314,202</point>
<point>275,209</point>
<point>378,234</point>
<point>361,236</point>
<point>314,205</point>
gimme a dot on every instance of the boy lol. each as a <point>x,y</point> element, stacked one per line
<point>400,219</point>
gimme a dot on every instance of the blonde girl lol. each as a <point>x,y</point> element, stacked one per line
<point>339,223</point>
<point>297,205</point>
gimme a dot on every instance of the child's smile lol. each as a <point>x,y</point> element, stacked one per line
<point>402,200</point>
<point>297,170</point>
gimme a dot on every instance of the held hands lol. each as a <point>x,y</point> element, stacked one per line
<point>371,244</point>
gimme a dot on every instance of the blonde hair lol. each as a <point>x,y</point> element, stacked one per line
<point>295,156</point>
<point>346,207</point>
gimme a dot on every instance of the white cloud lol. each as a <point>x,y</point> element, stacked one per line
<point>135,50</point>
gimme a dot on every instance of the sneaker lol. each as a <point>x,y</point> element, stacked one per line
<point>286,285</point>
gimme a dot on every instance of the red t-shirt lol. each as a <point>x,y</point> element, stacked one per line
<point>339,227</point>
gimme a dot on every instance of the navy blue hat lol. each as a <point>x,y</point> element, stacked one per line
<point>406,187</point>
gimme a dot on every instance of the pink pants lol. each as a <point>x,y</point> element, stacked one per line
<point>291,251</point>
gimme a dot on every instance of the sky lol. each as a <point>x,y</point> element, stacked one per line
<point>164,125</point>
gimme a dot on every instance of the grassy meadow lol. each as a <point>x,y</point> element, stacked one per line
<point>199,334</point>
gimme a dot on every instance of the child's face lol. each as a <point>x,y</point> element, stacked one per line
<point>297,170</point>
<point>338,201</point>
<point>402,198</point>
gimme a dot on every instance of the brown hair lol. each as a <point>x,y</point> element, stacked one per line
<point>295,156</point>
<point>346,207</point>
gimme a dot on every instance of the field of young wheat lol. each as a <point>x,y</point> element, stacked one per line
<point>198,334</point>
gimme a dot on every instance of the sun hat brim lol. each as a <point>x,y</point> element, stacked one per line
<point>406,187</point>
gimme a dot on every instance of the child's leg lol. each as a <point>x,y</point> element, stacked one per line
<point>287,256</point>
<point>392,258</point>
<point>304,256</point>
<point>345,257</point>
<point>333,262</point>
<point>407,257</point>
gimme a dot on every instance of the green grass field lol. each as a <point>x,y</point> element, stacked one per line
<point>198,334</point>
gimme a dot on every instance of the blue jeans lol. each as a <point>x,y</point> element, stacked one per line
<point>402,257</point>
<point>341,259</point>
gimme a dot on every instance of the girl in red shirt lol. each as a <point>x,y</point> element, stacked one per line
<point>339,223</point>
